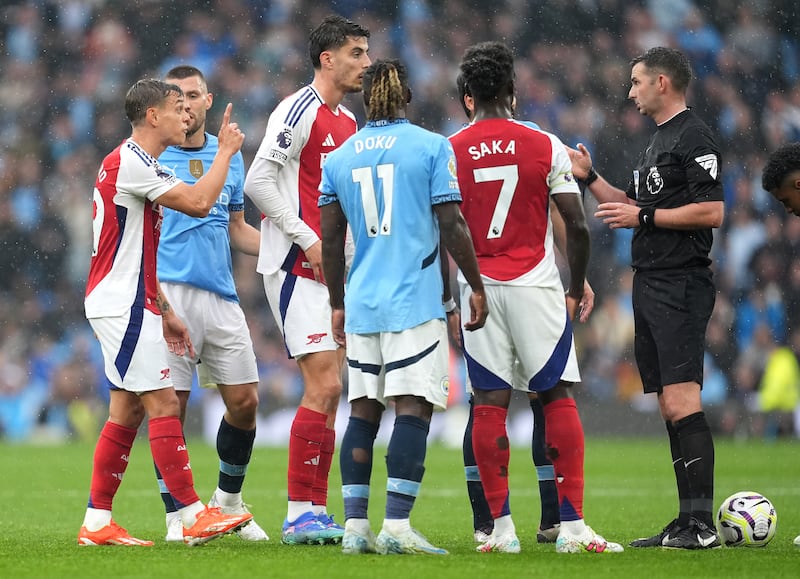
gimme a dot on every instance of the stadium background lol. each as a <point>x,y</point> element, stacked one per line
<point>65,67</point>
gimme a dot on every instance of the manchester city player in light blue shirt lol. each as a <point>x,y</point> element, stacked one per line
<point>395,184</point>
<point>195,271</point>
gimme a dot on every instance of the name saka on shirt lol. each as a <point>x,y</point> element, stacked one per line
<point>494,147</point>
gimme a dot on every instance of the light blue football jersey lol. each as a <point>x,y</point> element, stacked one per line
<point>197,251</point>
<point>387,178</point>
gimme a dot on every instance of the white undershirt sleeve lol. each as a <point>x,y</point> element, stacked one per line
<point>261,186</point>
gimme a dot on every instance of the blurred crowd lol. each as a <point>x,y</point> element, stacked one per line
<point>65,66</point>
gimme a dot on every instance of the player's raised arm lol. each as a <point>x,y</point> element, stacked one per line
<point>198,199</point>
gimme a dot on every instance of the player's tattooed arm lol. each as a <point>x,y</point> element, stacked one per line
<point>163,304</point>
<point>175,332</point>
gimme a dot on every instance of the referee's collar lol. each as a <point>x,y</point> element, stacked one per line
<point>673,116</point>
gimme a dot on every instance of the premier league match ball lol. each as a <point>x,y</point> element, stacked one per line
<point>746,519</point>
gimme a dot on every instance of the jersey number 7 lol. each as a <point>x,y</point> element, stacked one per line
<point>509,175</point>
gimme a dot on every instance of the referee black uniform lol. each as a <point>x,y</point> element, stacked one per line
<point>676,183</point>
<point>673,287</point>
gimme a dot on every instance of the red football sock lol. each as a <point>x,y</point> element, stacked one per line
<point>492,453</point>
<point>565,448</point>
<point>110,461</point>
<point>172,459</point>
<point>319,492</point>
<point>305,448</point>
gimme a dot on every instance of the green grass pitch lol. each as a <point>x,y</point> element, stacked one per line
<point>629,493</point>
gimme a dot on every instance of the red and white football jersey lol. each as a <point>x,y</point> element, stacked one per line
<point>126,226</point>
<point>300,133</point>
<point>507,170</point>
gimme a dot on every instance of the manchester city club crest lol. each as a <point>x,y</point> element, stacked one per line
<point>444,384</point>
<point>196,168</point>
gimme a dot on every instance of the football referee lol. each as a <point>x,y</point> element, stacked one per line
<point>673,201</point>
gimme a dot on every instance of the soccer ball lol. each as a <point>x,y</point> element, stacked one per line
<point>746,519</point>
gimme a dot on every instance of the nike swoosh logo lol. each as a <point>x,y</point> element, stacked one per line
<point>694,460</point>
<point>707,541</point>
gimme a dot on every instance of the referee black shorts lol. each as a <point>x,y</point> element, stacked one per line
<point>671,309</point>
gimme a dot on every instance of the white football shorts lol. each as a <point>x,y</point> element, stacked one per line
<point>527,342</point>
<point>134,351</point>
<point>302,310</point>
<point>220,335</point>
<point>414,362</point>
